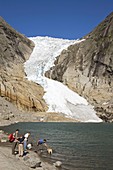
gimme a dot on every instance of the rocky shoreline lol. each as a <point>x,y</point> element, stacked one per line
<point>31,160</point>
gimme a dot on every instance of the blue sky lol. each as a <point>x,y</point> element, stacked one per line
<point>69,19</point>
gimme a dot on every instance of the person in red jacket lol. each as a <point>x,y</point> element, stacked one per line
<point>15,135</point>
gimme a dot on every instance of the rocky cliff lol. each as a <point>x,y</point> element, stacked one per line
<point>87,68</point>
<point>15,49</point>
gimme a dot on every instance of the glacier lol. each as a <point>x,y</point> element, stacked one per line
<point>58,97</point>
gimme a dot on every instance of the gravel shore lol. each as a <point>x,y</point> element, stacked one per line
<point>28,162</point>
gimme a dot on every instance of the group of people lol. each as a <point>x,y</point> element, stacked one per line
<point>22,142</point>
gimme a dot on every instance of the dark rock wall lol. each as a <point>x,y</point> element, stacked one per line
<point>87,68</point>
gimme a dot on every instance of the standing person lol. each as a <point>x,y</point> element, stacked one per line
<point>20,145</point>
<point>26,136</point>
<point>15,141</point>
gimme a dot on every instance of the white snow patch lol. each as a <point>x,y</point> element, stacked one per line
<point>58,97</point>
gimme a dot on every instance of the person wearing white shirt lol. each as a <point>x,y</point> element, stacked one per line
<point>26,136</point>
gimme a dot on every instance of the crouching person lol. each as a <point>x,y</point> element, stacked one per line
<point>42,141</point>
<point>20,145</point>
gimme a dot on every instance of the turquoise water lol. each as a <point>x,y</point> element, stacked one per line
<point>80,146</point>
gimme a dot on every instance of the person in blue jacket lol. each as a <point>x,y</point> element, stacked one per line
<point>42,141</point>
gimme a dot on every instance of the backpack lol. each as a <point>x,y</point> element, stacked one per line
<point>11,138</point>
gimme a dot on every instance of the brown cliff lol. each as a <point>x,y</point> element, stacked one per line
<point>87,68</point>
<point>15,49</point>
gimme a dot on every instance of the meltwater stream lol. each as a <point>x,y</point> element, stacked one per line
<point>80,146</point>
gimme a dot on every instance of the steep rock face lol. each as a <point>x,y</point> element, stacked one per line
<point>87,68</point>
<point>15,49</point>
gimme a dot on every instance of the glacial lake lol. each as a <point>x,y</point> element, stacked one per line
<point>79,146</point>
